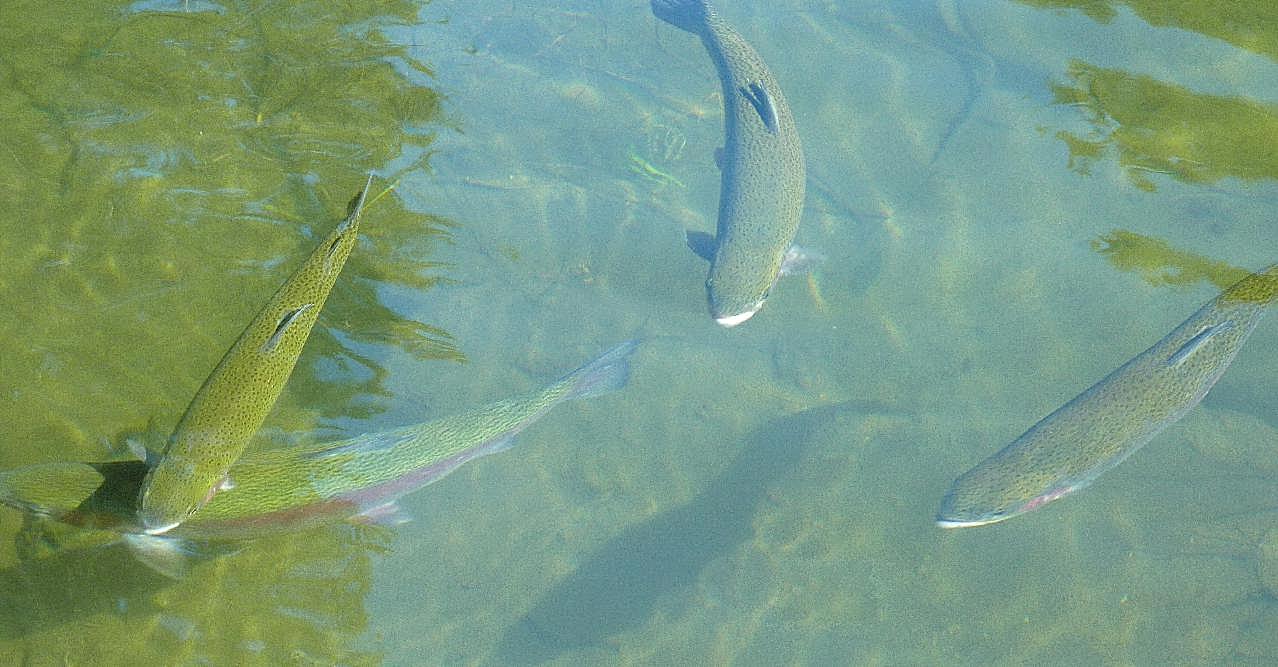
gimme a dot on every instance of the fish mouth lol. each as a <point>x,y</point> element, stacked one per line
<point>960,523</point>
<point>952,522</point>
<point>728,321</point>
<point>151,528</point>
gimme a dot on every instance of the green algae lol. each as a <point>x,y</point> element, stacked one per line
<point>1161,264</point>
<point>160,171</point>
<point>1156,127</point>
<point>164,166</point>
<point>1158,263</point>
<point>1247,24</point>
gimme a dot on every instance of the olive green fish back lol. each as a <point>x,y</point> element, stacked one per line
<point>235,399</point>
<point>1259,288</point>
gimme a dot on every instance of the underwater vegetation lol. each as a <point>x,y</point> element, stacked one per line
<point>1152,126</point>
<point>1247,24</point>
<point>1158,263</point>
<point>164,163</point>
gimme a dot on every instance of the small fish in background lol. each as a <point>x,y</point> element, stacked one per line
<point>290,488</point>
<point>236,397</point>
<point>1102,426</point>
<point>761,194</point>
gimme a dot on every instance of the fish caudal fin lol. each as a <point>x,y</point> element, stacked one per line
<point>690,15</point>
<point>607,373</point>
<point>49,488</point>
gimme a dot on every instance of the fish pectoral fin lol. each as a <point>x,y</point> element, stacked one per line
<point>173,557</point>
<point>701,243</point>
<point>762,103</point>
<point>169,556</point>
<point>1197,341</point>
<point>497,445</point>
<point>137,449</point>
<point>798,260</point>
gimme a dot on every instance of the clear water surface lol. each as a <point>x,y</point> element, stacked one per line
<point>760,495</point>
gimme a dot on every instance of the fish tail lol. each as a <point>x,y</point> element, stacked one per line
<point>689,15</point>
<point>49,488</point>
<point>609,372</point>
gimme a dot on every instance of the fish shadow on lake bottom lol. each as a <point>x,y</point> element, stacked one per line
<point>619,586</point>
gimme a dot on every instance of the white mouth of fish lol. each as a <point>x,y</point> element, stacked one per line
<point>959,523</point>
<point>157,530</point>
<point>734,320</point>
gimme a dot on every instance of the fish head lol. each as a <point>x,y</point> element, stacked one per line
<point>990,493</point>
<point>736,287</point>
<point>171,493</point>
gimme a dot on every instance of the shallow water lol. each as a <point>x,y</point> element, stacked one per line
<point>759,495</point>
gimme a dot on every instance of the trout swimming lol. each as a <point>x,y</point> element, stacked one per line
<point>761,192</point>
<point>235,398</point>
<point>296,487</point>
<point>1102,426</point>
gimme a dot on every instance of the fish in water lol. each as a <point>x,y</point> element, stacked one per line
<point>1104,425</point>
<point>761,193</point>
<point>235,398</point>
<point>296,487</point>
<point>48,488</point>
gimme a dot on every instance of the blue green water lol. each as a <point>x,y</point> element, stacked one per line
<point>759,495</point>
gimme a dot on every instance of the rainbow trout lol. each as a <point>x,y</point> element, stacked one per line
<point>1104,425</point>
<point>295,487</point>
<point>235,399</point>
<point>761,194</point>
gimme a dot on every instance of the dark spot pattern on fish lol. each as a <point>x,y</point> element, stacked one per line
<point>280,329</point>
<point>762,103</point>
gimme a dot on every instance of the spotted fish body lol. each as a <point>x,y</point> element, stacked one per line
<point>295,487</point>
<point>761,194</point>
<point>1104,425</point>
<point>235,399</point>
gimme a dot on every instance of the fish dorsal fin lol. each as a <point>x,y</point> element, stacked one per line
<point>1197,341</point>
<point>286,321</point>
<point>701,243</point>
<point>762,103</point>
<point>139,444</point>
